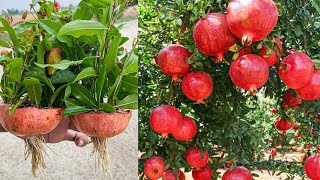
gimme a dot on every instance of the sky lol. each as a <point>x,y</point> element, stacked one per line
<point>24,4</point>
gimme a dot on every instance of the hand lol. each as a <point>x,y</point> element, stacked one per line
<point>66,131</point>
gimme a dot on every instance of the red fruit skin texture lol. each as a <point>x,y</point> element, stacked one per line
<point>291,101</point>
<point>30,121</point>
<point>204,173</point>
<point>165,119</point>
<point>252,20</point>
<point>154,167</point>
<point>312,167</point>
<point>282,124</point>
<point>296,70</point>
<point>194,158</point>
<point>197,86</point>
<point>212,35</point>
<point>249,72</point>
<point>169,175</point>
<point>238,173</point>
<point>101,124</point>
<point>186,131</point>
<point>312,90</point>
<point>273,57</point>
<point>172,60</point>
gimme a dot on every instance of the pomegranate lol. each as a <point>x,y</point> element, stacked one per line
<point>298,136</point>
<point>239,172</point>
<point>282,124</point>
<point>252,20</point>
<point>4,52</point>
<point>169,175</point>
<point>197,86</point>
<point>165,119</point>
<point>308,146</point>
<point>101,124</point>
<point>273,58</point>
<point>245,50</point>
<point>295,127</point>
<point>312,90</point>
<point>312,167</point>
<point>154,167</point>
<point>172,60</point>
<point>290,100</point>
<point>212,36</point>
<point>56,5</point>
<point>249,72</point>
<point>186,131</point>
<point>203,173</point>
<point>194,158</point>
<point>273,152</point>
<point>296,70</point>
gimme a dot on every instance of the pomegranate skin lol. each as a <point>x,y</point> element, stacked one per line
<point>154,167</point>
<point>30,121</point>
<point>186,131</point>
<point>249,72</point>
<point>289,101</point>
<point>194,158</point>
<point>296,70</point>
<point>312,167</point>
<point>165,119</point>
<point>101,124</point>
<point>252,20</point>
<point>282,124</point>
<point>197,86</point>
<point>273,57</point>
<point>204,173</point>
<point>212,36</point>
<point>312,90</point>
<point>237,173</point>
<point>172,60</point>
<point>169,175</point>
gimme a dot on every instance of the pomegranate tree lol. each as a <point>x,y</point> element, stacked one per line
<point>252,20</point>
<point>154,167</point>
<point>312,167</point>
<point>212,36</point>
<point>186,131</point>
<point>197,86</point>
<point>239,172</point>
<point>204,173</point>
<point>194,158</point>
<point>249,72</point>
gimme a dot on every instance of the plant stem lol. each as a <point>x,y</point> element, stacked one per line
<point>4,82</point>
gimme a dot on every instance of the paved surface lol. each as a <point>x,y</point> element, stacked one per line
<point>71,162</point>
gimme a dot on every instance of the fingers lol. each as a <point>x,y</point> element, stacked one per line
<point>79,138</point>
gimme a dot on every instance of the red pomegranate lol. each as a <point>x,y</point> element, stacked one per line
<point>169,175</point>
<point>312,90</point>
<point>312,167</point>
<point>204,173</point>
<point>4,52</point>
<point>172,61</point>
<point>197,86</point>
<point>273,58</point>
<point>212,36</point>
<point>245,50</point>
<point>273,152</point>
<point>194,158</point>
<point>291,99</point>
<point>252,20</point>
<point>237,173</point>
<point>282,124</point>
<point>296,70</point>
<point>154,167</point>
<point>186,131</point>
<point>295,127</point>
<point>165,119</point>
<point>249,72</point>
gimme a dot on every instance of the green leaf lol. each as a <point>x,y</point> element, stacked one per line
<point>72,110</point>
<point>107,108</point>
<point>101,82</point>
<point>11,33</point>
<point>129,102</point>
<point>13,108</point>
<point>67,92</point>
<point>132,68</point>
<point>4,44</point>
<point>79,28</point>
<point>15,68</point>
<point>34,90</point>
<point>35,2</point>
<point>57,93</point>
<point>53,28</point>
<point>88,72</point>
<point>129,84</point>
<point>110,58</point>
<point>83,12</point>
<point>63,76</point>
<point>83,95</point>
<point>98,3</point>
<point>40,54</point>
<point>41,76</point>
<point>63,65</point>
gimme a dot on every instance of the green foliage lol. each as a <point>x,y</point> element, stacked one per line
<point>233,125</point>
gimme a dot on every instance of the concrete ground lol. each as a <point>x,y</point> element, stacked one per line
<point>69,162</point>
